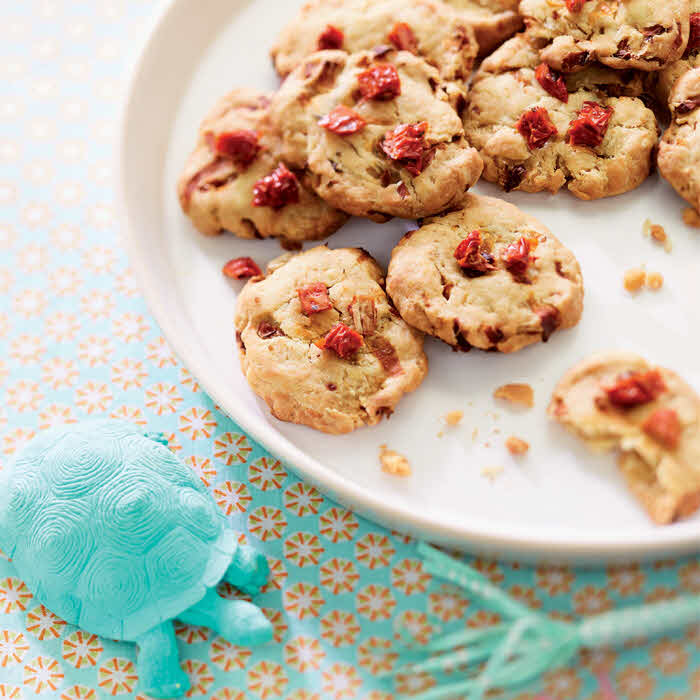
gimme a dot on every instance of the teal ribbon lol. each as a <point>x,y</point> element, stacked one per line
<point>528,643</point>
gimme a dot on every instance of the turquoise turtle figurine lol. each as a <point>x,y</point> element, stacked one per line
<point>114,534</point>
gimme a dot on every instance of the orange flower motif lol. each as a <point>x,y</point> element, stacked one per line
<point>526,595</point>
<point>227,656</point>
<point>267,680</point>
<point>27,349</point>
<point>228,694</point>
<point>64,281</point>
<point>128,374</point>
<point>187,380</point>
<point>302,500</point>
<point>303,600</point>
<point>126,284</point>
<point>32,258</point>
<point>232,496</point>
<point>377,655</point>
<point>232,448</point>
<point>447,603</point>
<point>488,568</point>
<point>95,350</point>
<point>79,692</point>
<point>130,327</point>
<point>375,602</point>
<point>197,423</point>
<point>303,654</point>
<point>12,443</point>
<point>81,649</point>
<point>160,354</point>
<point>55,415</point>
<point>97,305</point>
<point>30,303</point>
<point>414,684</point>
<point>66,237</point>
<point>191,634</point>
<point>590,600</point>
<point>14,595</point>
<point>374,550</point>
<point>555,579</point>
<point>279,626</point>
<point>564,684</point>
<point>626,580</point>
<point>10,692</point>
<point>43,674</point>
<point>43,624</point>
<point>117,676</point>
<point>99,259</point>
<point>661,593</point>
<point>133,414</point>
<point>341,681</point>
<point>62,326</point>
<point>670,657</point>
<point>24,396</point>
<point>338,525</point>
<point>163,398</point>
<point>278,575</point>
<point>266,523</point>
<point>635,682</point>
<point>200,676</point>
<point>303,549</point>
<point>339,576</point>
<point>13,647</point>
<point>689,575</point>
<point>203,468</point>
<point>483,618</point>
<point>93,397</point>
<point>267,474</point>
<point>339,628</point>
<point>58,373</point>
<point>414,624</point>
<point>408,576</point>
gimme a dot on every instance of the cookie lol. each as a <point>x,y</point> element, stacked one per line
<point>377,132</point>
<point>236,181</point>
<point>487,276</point>
<point>427,28</point>
<point>493,21</point>
<point>679,150</point>
<point>630,34</point>
<point>320,342</point>
<point>535,132</point>
<point>619,401</point>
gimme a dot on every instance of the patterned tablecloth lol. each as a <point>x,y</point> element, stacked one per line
<point>77,340</point>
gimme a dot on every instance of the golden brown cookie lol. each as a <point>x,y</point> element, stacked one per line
<point>493,21</point>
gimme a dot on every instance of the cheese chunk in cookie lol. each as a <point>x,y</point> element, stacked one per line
<point>487,276</point>
<point>679,150</point>
<point>537,129</point>
<point>617,400</point>
<point>619,33</point>
<point>493,21</point>
<point>377,132</point>
<point>235,179</point>
<point>427,28</point>
<point>320,342</point>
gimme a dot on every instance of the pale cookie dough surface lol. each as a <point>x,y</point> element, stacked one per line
<point>679,150</point>
<point>505,88</point>
<point>444,39</point>
<point>352,173</point>
<point>493,21</point>
<point>642,34</point>
<point>302,383</point>
<point>666,481</point>
<point>496,311</point>
<point>217,193</point>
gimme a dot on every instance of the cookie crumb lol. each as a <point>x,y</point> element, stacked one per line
<point>454,418</point>
<point>691,217</point>
<point>519,394</point>
<point>441,434</point>
<point>492,473</point>
<point>635,279</point>
<point>516,446</point>
<point>393,463</point>
<point>655,280</point>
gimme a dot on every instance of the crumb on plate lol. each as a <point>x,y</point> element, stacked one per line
<point>520,394</point>
<point>655,280</point>
<point>393,463</point>
<point>635,279</point>
<point>492,473</point>
<point>658,234</point>
<point>454,418</point>
<point>517,446</point>
<point>691,217</point>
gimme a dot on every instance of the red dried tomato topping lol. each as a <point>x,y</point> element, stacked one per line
<point>343,121</point>
<point>636,389</point>
<point>314,298</point>
<point>330,38</point>
<point>516,256</point>
<point>403,38</point>
<point>590,126</point>
<point>380,83</point>
<point>575,5</point>
<point>241,146</point>
<point>241,268</point>
<point>276,190</point>
<point>665,427</point>
<point>694,37</point>
<point>344,341</point>
<point>552,82</point>
<point>406,145</point>
<point>536,127</point>
<point>471,258</point>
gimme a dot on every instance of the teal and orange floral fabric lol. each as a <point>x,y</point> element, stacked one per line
<point>76,340</point>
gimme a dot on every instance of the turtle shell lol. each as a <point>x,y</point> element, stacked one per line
<point>109,529</point>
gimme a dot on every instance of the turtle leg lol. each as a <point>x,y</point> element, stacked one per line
<point>237,621</point>
<point>248,570</point>
<point>158,663</point>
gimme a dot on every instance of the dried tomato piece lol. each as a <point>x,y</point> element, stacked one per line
<point>575,5</point>
<point>314,298</point>
<point>344,341</point>
<point>330,38</point>
<point>406,145</point>
<point>241,268</point>
<point>276,190</point>
<point>665,427</point>
<point>380,83</point>
<point>552,82</point>
<point>343,121</point>
<point>636,389</point>
<point>403,38</point>
<point>536,127</point>
<point>472,258</point>
<point>590,126</point>
<point>241,145</point>
<point>516,256</point>
<point>694,37</point>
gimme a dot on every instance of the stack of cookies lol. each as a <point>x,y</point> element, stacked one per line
<point>381,114</point>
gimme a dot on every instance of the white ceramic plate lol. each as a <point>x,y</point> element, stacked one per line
<point>560,503</point>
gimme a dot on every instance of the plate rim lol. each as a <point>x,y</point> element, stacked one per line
<point>478,536</point>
